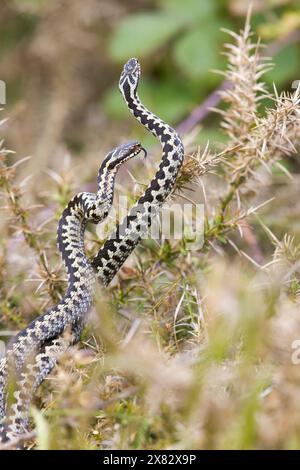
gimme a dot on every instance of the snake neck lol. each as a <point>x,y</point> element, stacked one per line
<point>153,123</point>
<point>172,148</point>
<point>105,194</point>
<point>70,237</point>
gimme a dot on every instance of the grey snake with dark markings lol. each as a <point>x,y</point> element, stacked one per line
<point>35,350</point>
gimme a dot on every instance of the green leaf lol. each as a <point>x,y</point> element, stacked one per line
<point>142,34</point>
<point>287,65</point>
<point>190,9</point>
<point>198,50</point>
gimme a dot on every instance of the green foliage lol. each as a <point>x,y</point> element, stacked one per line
<point>286,65</point>
<point>189,56</point>
<point>190,10</point>
<point>182,29</point>
<point>142,34</point>
<point>185,38</point>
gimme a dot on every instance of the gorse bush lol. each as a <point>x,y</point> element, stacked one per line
<point>186,349</point>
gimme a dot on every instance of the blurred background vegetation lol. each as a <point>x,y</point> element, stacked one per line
<point>185,349</point>
<point>61,61</point>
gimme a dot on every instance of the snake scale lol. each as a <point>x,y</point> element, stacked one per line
<point>45,337</point>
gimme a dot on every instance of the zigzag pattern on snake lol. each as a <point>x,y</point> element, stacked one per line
<point>127,235</point>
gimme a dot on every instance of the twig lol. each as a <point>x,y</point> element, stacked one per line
<point>201,111</point>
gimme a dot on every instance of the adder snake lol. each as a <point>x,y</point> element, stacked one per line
<point>46,338</point>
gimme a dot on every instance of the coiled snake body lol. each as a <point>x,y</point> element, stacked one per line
<point>115,250</point>
<point>72,309</point>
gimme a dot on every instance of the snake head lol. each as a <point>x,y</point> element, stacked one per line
<point>130,75</point>
<point>123,153</point>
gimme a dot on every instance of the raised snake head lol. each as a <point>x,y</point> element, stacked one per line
<point>121,154</point>
<point>130,75</point>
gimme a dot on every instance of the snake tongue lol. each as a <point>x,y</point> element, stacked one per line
<point>145,152</point>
